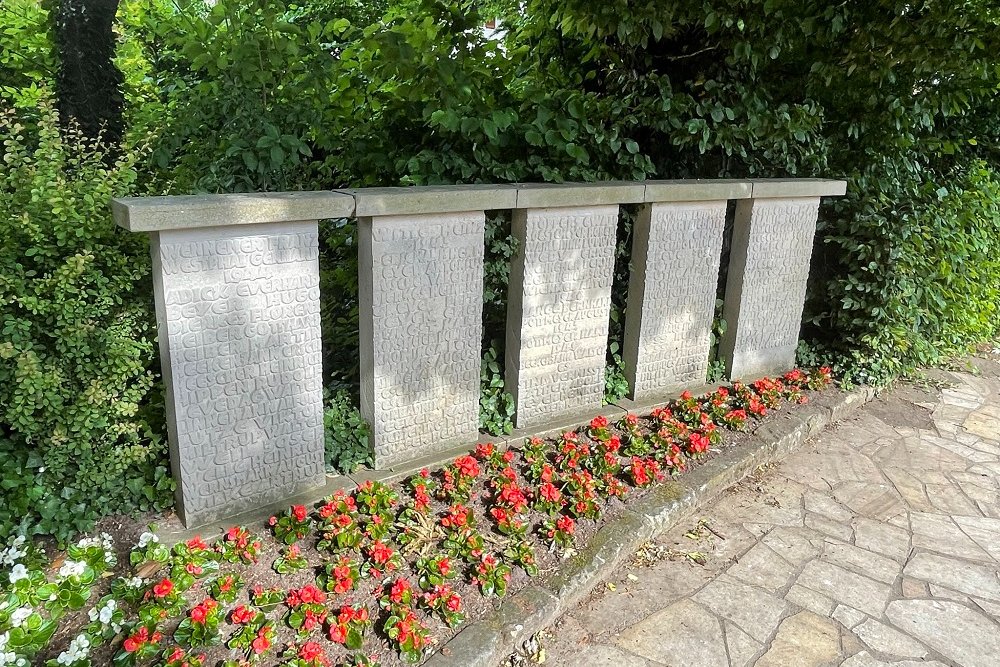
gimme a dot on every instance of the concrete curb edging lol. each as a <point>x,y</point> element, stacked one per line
<point>486,642</point>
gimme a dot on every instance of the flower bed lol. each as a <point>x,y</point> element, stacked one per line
<point>378,575</point>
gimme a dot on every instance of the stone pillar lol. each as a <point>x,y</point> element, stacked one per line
<point>676,246</point>
<point>560,298</point>
<point>236,285</point>
<point>768,269</point>
<point>421,300</point>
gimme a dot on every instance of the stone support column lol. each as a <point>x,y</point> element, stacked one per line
<point>768,270</point>
<point>421,300</point>
<point>559,299</point>
<point>676,246</point>
<point>236,286</point>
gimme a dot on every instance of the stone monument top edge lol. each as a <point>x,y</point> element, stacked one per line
<point>679,190</point>
<point>558,195</point>
<point>154,214</point>
<point>423,199</point>
<point>768,188</point>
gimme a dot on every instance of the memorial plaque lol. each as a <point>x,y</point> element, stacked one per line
<point>239,332</point>
<point>671,296</point>
<point>421,279</point>
<point>558,309</point>
<point>766,285</point>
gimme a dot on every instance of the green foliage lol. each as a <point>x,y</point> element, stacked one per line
<point>615,382</point>
<point>496,406</point>
<point>716,366</point>
<point>75,333</point>
<point>348,435</point>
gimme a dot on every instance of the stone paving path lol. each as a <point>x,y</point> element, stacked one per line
<point>875,544</point>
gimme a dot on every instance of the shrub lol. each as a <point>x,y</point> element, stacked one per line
<point>348,435</point>
<point>75,334</point>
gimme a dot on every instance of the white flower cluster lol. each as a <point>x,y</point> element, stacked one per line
<point>78,649</point>
<point>9,657</point>
<point>17,573</point>
<point>20,615</point>
<point>146,539</point>
<point>104,541</point>
<point>72,568</point>
<point>14,552</point>
<point>105,615</point>
<point>135,582</point>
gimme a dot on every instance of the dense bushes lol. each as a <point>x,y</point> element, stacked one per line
<point>75,336</point>
<point>898,97</point>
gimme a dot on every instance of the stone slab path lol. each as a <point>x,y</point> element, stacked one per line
<point>877,543</point>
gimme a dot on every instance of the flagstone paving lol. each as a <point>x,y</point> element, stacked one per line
<point>878,543</point>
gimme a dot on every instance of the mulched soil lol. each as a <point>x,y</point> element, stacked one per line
<point>125,531</point>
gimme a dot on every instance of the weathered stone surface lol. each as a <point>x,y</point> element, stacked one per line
<point>753,610</point>
<point>951,629</point>
<point>742,647</point>
<point>798,187</point>
<point>765,289</point>
<point>561,195</point>
<point>958,575</point>
<point>432,199</point>
<point>865,659</point>
<point>846,587</point>
<point>804,640</point>
<point>984,531</point>
<point>671,296</point>
<point>239,331</point>
<point>848,616</point>
<point>558,310</point>
<point>811,600</point>
<point>689,190</point>
<point>862,561</point>
<point>763,568</point>
<point>684,634</point>
<point>882,538</point>
<point>153,214</point>
<point>794,544</point>
<point>421,319</point>
<point>880,637</point>
<point>937,532</point>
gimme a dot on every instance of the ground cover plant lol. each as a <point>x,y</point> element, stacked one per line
<point>378,575</point>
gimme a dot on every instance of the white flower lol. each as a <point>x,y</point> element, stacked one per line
<point>146,538</point>
<point>4,638</point>
<point>14,552</point>
<point>16,574</point>
<point>78,649</point>
<point>105,613</point>
<point>72,568</point>
<point>134,582</point>
<point>20,615</point>
<point>88,542</point>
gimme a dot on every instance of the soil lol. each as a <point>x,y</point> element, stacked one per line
<point>125,531</point>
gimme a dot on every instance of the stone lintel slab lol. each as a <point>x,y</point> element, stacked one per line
<point>153,214</point>
<point>676,249</point>
<point>421,319</point>
<point>426,199</point>
<point>797,187</point>
<point>696,190</point>
<point>557,195</point>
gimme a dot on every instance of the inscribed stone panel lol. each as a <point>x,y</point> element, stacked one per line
<point>766,284</point>
<point>558,308</point>
<point>239,331</point>
<point>421,279</point>
<point>671,295</point>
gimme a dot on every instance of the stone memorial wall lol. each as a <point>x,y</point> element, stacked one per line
<point>671,296</point>
<point>558,308</point>
<point>421,331</point>
<point>236,281</point>
<point>238,312</point>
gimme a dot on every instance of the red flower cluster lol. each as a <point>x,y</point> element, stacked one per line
<point>201,611</point>
<point>308,594</point>
<point>141,639</point>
